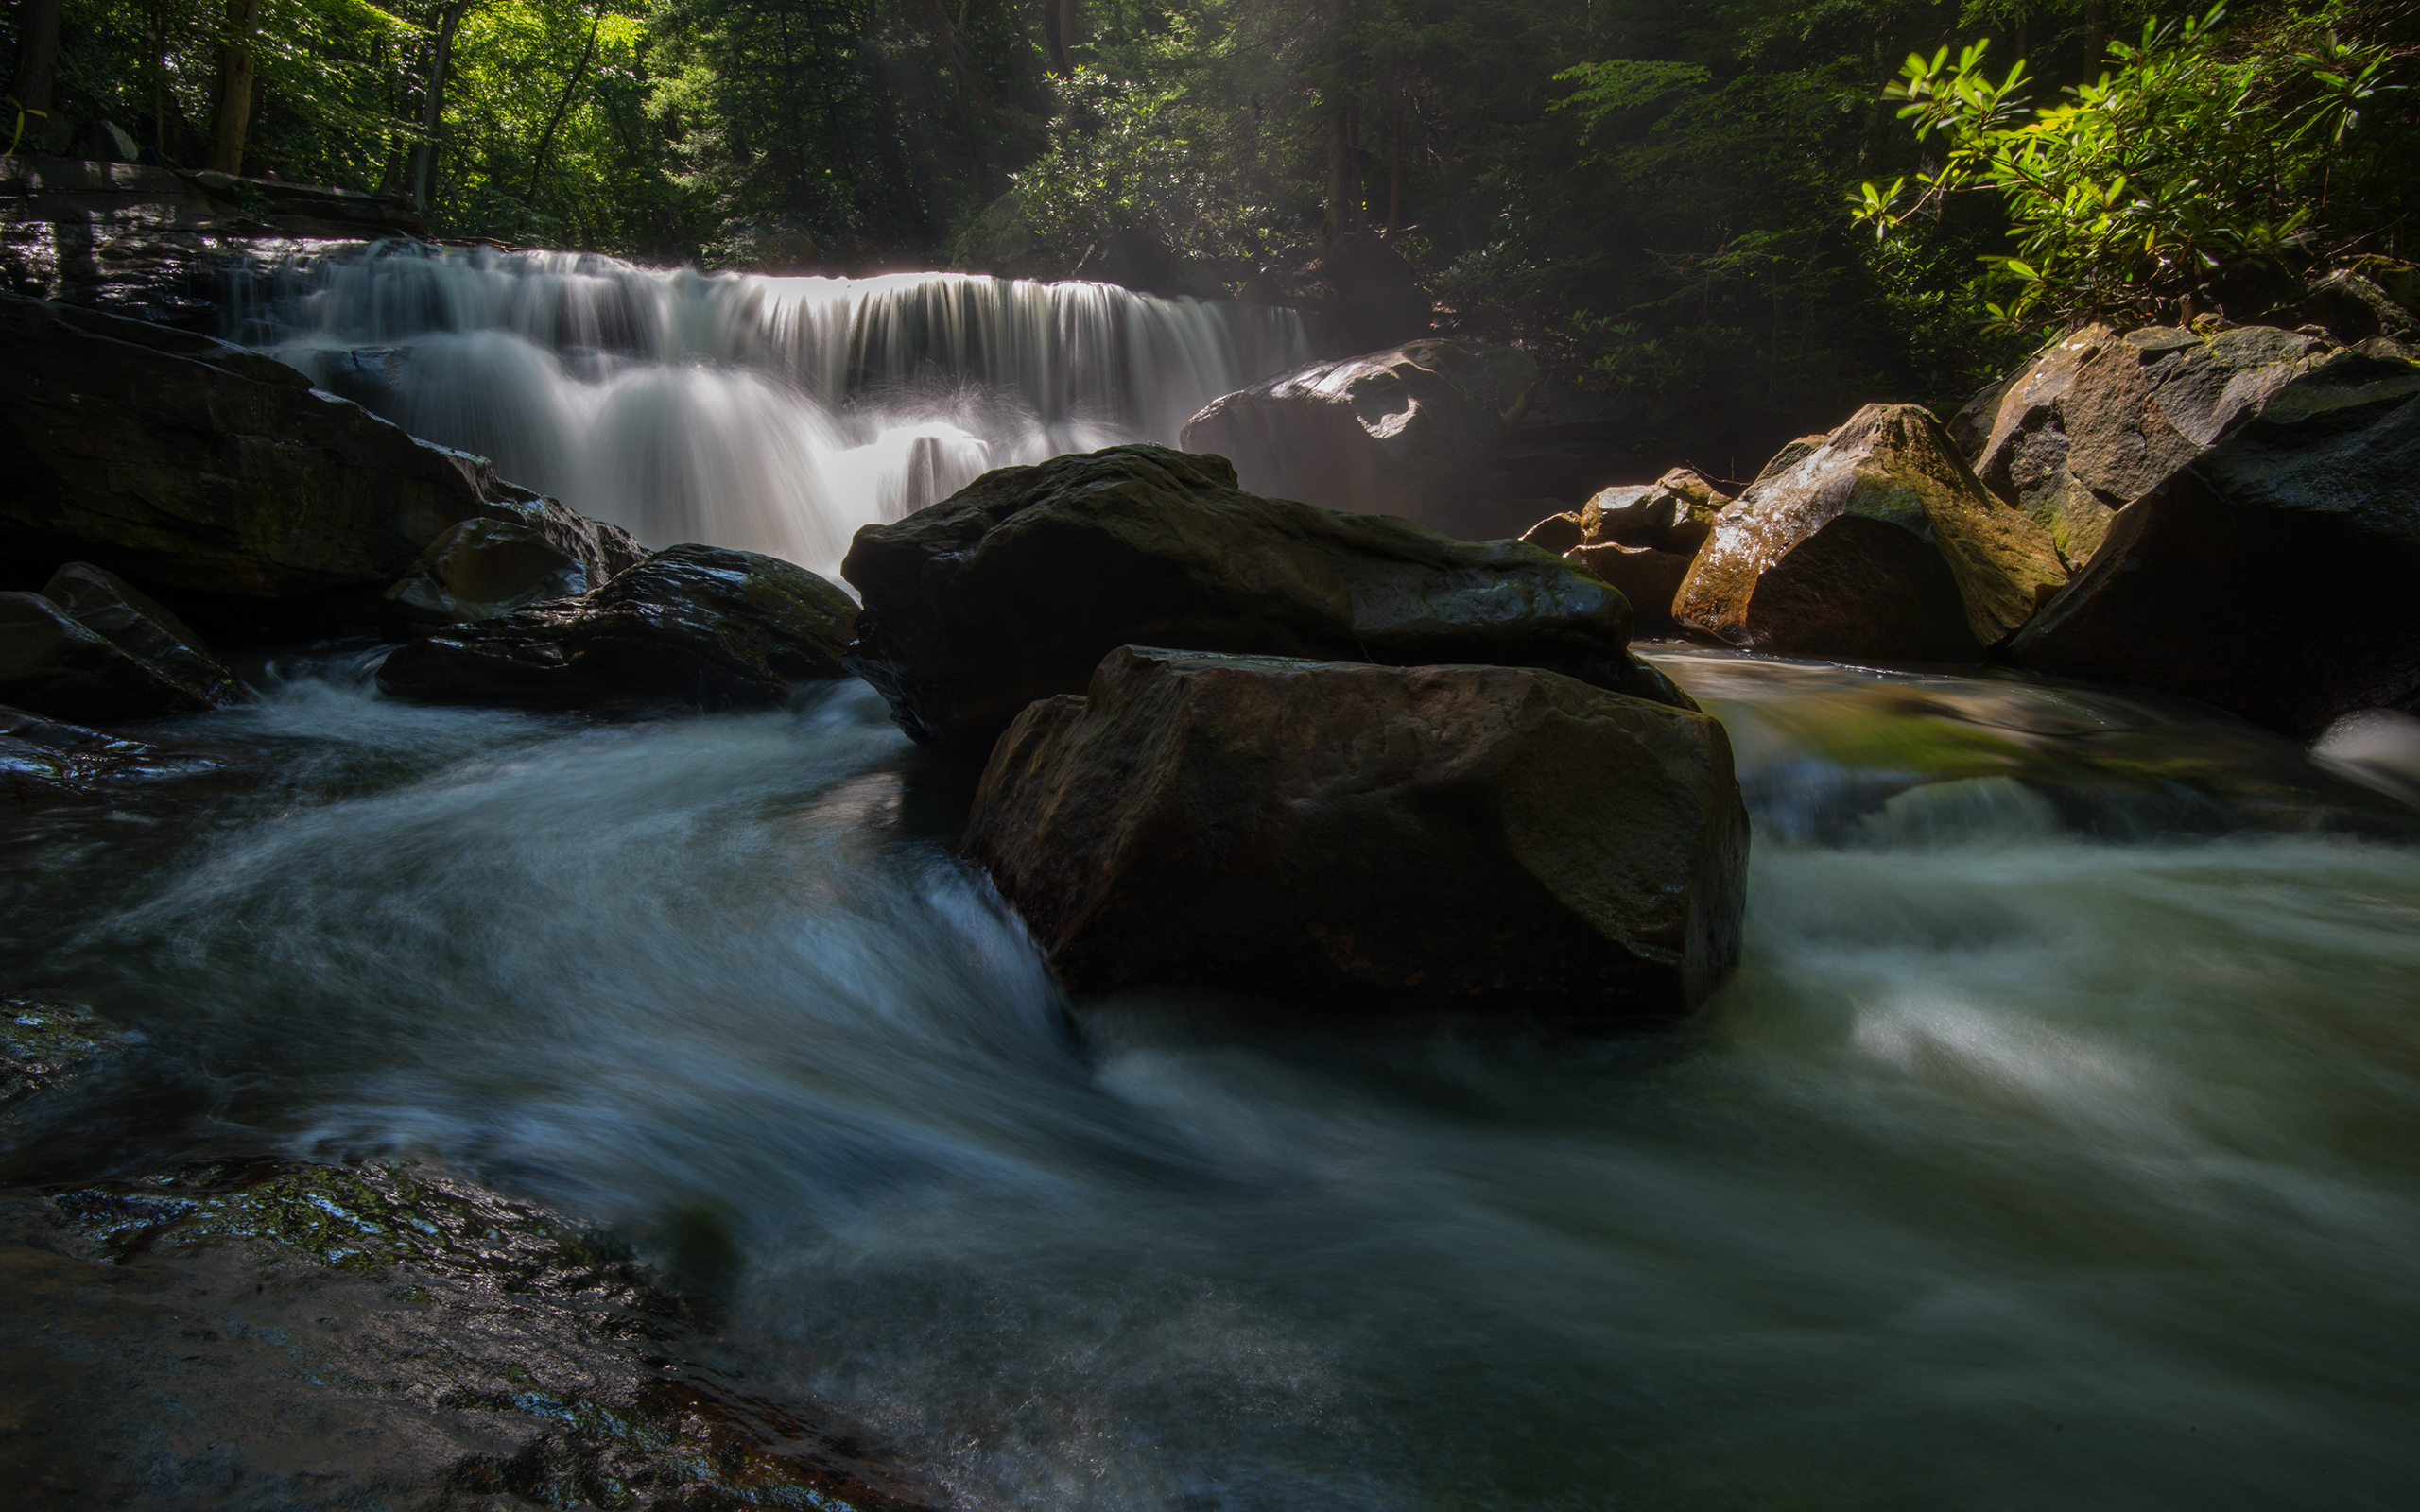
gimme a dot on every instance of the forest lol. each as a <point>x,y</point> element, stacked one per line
<point>1737,210</point>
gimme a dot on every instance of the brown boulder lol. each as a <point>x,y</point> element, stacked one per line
<point>692,626</point>
<point>191,464</point>
<point>1401,432</point>
<point>2100,419</point>
<point>481,569</point>
<point>2272,575</point>
<point>90,647</point>
<point>1650,579</point>
<point>1015,587</point>
<point>1878,542</point>
<point>1341,833</point>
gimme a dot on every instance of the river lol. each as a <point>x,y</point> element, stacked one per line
<point>2057,1143</point>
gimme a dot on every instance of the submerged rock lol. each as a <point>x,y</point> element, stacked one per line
<point>1878,542</point>
<point>2100,419</point>
<point>92,647</point>
<point>379,1336</point>
<point>2272,575</point>
<point>1335,834</point>
<point>190,464</point>
<point>696,626</point>
<point>1014,589</point>
<point>1401,432</point>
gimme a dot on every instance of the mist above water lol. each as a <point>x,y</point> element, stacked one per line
<point>771,414</point>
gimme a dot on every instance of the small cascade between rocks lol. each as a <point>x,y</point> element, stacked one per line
<point>773,414</point>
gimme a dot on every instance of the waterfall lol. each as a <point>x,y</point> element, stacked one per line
<point>774,414</point>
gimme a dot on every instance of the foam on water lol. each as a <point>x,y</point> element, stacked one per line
<point>2016,1167</point>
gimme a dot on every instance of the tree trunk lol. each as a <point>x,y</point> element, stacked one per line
<point>234,111</point>
<point>1023,123</point>
<point>1339,173</point>
<point>1395,165</point>
<point>2096,36</point>
<point>554,123</point>
<point>1059,34</point>
<point>432,103</point>
<point>37,67</point>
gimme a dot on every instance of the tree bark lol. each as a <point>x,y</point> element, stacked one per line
<point>1023,123</point>
<point>1338,173</point>
<point>432,103</point>
<point>1059,34</point>
<point>233,113</point>
<point>1394,164</point>
<point>554,123</point>
<point>37,67</point>
<point>2096,36</point>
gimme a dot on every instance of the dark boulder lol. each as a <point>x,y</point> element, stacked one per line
<point>1401,432</point>
<point>1878,542</point>
<point>481,569</point>
<point>2100,419</point>
<point>2272,575</point>
<point>190,464</point>
<point>1650,579</point>
<point>1338,834</point>
<point>693,627</point>
<point>1013,589</point>
<point>90,647</point>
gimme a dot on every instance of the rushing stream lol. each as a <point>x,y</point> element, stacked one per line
<point>2058,1143</point>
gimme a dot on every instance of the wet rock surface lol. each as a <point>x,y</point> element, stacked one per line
<point>185,463</point>
<point>1013,589</point>
<point>1402,431</point>
<point>268,1333</point>
<point>2271,576</point>
<point>89,646</point>
<point>693,627</point>
<point>1879,542</point>
<point>49,764</point>
<point>1341,836</point>
<point>483,569</point>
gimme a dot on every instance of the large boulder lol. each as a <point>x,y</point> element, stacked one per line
<point>481,569</point>
<point>1015,587</point>
<point>190,464</point>
<point>1641,538</point>
<point>2272,576</point>
<point>90,647</point>
<point>2100,419</point>
<point>692,626</point>
<point>1401,432</point>
<point>1879,542</point>
<point>1338,834</point>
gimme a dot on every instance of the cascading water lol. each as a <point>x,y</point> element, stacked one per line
<point>2056,1144</point>
<point>774,414</point>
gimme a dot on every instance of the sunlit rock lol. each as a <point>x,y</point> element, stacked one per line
<point>481,569</point>
<point>2272,575</point>
<point>1878,542</point>
<point>1014,589</point>
<point>1341,835</point>
<point>1401,432</point>
<point>2100,419</point>
<point>692,626</point>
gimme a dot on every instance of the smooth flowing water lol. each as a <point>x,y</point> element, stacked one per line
<point>774,414</point>
<point>2057,1144</point>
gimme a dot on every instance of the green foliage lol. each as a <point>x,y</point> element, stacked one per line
<point>2149,187</point>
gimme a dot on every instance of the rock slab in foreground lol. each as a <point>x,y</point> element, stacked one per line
<point>92,647</point>
<point>1878,542</point>
<point>187,463</point>
<point>697,626</point>
<point>2273,577</point>
<point>1338,834</point>
<point>1402,431</point>
<point>1015,587</point>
